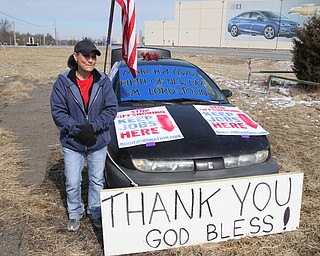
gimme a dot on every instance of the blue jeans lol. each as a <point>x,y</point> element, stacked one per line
<point>73,166</point>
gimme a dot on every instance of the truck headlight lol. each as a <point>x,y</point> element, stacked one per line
<point>246,159</point>
<point>147,165</point>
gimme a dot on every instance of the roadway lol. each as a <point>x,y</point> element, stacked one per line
<point>283,55</point>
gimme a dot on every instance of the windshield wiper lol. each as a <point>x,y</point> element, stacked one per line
<point>144,102</point>
<point>193,101</point>
<point>182,101</point>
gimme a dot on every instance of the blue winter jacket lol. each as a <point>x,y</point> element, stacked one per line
<point>68,110</point>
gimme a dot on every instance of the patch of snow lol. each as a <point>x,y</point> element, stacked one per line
<point>259,89</point>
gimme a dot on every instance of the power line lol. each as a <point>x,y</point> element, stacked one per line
<point>29,10</point>
<point>27,22</point>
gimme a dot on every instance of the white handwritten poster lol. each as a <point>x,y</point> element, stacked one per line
<point>229,121</point>
<point>161,217</point>
<point>145,126</point>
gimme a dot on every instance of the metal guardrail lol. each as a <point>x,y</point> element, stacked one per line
<point>272,72</point>
<point>290,79</point>
<point>268,72</point>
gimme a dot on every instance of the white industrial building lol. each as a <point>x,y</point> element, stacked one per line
<point>205,23</point>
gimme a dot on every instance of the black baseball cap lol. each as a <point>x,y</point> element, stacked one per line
<point>85,47</point>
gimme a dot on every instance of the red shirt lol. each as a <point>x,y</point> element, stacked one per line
<point>85,86</point>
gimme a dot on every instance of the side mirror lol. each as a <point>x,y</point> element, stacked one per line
<point>260,18</point>
<point>227,93</point>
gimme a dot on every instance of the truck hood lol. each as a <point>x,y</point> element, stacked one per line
<point>200,140</point>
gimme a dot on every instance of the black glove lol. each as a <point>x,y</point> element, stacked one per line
<point>91,141</point>
<point>86,135</point>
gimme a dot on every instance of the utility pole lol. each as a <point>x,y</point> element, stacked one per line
<point>163,40</point>
<point>179,24</point>
<point>55,32</point>
<point>281,1</point>
<point>14,34</point>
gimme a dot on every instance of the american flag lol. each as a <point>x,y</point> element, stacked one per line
<point>129,44</point>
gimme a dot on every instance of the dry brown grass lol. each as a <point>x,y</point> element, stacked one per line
<point>39,214</point>
<point>16,90</point>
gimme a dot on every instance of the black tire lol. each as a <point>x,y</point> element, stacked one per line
<point>269,32</point>
<point>234,31</point>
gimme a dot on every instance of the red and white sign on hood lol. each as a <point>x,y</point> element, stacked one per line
<point>229,121</point>
<point>145,126</point>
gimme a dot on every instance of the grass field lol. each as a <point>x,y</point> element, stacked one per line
<point>37,214</point>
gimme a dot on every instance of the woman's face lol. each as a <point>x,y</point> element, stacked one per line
<point>86,63</point>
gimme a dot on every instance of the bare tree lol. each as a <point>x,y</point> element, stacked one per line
<point>5,28</point>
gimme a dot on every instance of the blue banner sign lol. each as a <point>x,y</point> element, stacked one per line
<point>162,83</point>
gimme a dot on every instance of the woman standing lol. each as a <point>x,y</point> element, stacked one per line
<point>83,107</point>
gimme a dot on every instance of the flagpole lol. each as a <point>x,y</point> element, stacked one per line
<point>109,34</point>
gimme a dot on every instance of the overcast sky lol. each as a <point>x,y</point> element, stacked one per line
<point>74,19</point>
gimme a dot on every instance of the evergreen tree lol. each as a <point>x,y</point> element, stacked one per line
<point>306,51</point>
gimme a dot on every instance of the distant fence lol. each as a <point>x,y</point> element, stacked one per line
<point>272,76</point>
<point>268,72</point>
<point>290,79</point>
